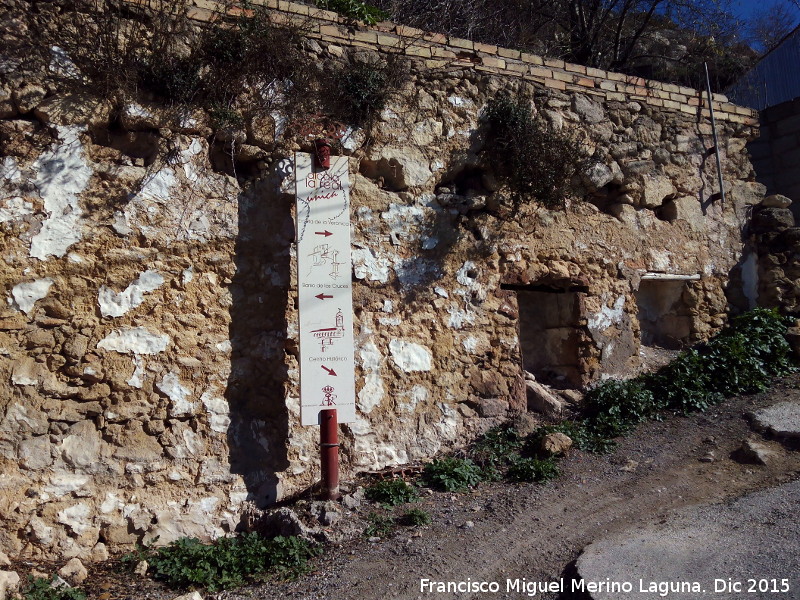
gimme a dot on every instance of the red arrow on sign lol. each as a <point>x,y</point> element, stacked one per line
<point>322,296</point>
<point>330,371</point>
<point>326,233</point>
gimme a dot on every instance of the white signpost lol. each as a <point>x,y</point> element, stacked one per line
<point>327,370</point>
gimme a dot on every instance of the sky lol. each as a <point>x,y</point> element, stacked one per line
<point>746,8</point>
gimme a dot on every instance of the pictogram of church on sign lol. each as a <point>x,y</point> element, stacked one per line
<point>327,335</point>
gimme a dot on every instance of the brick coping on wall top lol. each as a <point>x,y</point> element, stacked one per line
<point>441,52</point>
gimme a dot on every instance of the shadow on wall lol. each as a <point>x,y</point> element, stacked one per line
<point>256,392</point>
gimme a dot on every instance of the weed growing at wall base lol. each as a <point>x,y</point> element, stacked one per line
<point>743,358</point>
<point>533,469</point>
<point>414,517</point>
<point>392,492</point>
<point>41,588</point>
<point>230,562</point>
<point>452,474</point>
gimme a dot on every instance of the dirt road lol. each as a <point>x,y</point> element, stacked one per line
<point>534,532</point>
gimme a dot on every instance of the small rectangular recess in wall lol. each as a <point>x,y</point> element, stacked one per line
<point>550,333</point>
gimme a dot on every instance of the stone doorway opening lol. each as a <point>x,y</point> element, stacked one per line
<point>551,334</point>
<point>665,318</point>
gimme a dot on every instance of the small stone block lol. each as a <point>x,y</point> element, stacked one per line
<point>575,68</point>
<point>201,14</point>
<point>418,51</point>
<point>517,67</point>
<point>568,77</point>
<point>488,48</point>
<point>436,64</point>
<point>436,38</point>
<point>461,43</point>
<point>507,53</point>
<point>556,63</point>
<point>532,59</point>
<point>331,30</point>
<point>490,61</point>
<point>615,96</point>
<point>442,52</point>
<point>389,41</point>
<point>608,85</point>
<point>555,84</point>
<point>366,36</point>
<point>298,9</point>
<point>407,31</point>
<point>540,72</point>
<point>592,72</point>
<point>585,82</point>
<point>326,15</point>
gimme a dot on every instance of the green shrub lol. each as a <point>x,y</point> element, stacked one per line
<point>533,469</point>
<point>41,588</point>
<point>391,492</point>
<point>583,436</point>
<point>363,88</point>
<point>229,562</point>
<point>532,157</point>
<point>176,79</point>
<point>742,358</point>
<point>614,407</point>
<point>494,450</point>
<point>379,525</point>
<point>452,474</point>
<point>416,516</point>
<point>354,9</point>
<point>683,385</point>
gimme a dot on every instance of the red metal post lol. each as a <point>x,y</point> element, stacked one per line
<point>322,153</point>
<point>329,453</point>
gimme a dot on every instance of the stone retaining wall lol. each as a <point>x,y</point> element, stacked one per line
<point>148,342</point>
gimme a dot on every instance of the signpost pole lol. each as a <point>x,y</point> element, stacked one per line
<point>329,453</point>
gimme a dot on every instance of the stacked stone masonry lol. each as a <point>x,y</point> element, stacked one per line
<point>148,337</point>
<point>450,52</point>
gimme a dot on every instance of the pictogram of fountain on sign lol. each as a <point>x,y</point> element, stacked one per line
<point>324,255</point>
<point>327,335</point>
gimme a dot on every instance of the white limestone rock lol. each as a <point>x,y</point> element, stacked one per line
<point>25,295</point>
<point>410,357</point>
<point>135,340</point>
<point>114,304</point>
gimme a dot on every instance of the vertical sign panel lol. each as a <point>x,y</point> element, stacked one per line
<point>327,372</point>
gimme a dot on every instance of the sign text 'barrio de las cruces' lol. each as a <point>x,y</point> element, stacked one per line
<point>327,372</point>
